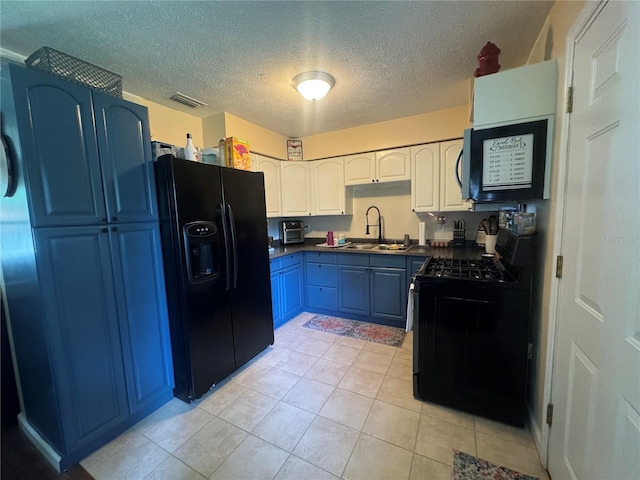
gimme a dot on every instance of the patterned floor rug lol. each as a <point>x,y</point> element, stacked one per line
<point>353,328</point>
<point>468,467</point>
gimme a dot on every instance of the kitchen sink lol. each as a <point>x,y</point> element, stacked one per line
<point>362,246</point>
<point>388,247</point>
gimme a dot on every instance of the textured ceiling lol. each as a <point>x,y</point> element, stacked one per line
<point>389,59</point>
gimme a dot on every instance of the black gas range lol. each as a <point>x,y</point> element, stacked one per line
<point>471,330</point>
<point>482,269</point>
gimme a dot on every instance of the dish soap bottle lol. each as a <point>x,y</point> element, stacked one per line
<point>189,149</point>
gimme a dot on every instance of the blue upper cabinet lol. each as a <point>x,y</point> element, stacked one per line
<point>124,145</point>
<point>82,149</point>
<point>59,147</point>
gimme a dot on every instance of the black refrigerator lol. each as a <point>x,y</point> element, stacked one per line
<point>215,250</point>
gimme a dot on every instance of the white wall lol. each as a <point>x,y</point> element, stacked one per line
<point>550,44</point>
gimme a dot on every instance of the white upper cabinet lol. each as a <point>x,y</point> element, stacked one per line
<point>450,190</point>
<point>378,167</point>
<point>359,169</point>
<point>393,165</point>
<point>329,193</point>
<point>425,178</point>
<point>272,183</point>
<point>516,95</point>
<point>296,189</point>
<point>434,187</point>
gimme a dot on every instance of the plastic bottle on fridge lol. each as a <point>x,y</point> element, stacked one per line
<point>190,152</point>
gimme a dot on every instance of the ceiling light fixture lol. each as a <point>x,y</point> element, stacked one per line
<point>313,85</point>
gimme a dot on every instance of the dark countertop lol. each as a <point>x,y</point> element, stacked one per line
<point>470,251</point>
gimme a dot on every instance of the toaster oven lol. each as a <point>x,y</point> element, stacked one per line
<point>292,231</point>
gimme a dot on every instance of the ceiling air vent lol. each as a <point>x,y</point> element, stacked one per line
<point>186,100</point>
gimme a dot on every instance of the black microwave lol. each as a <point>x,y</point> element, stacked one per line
<point>509,163</point>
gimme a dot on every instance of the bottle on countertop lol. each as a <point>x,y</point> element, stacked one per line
<point>190,152</point>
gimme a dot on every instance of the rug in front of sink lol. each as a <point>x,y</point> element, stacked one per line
<point>370,332</point>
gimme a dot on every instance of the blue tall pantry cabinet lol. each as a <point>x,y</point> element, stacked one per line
<point>82,264</point>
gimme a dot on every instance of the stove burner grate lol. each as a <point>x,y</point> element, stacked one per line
<point>471,269</point>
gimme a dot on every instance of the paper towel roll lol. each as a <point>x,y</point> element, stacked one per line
<point>422,235</point>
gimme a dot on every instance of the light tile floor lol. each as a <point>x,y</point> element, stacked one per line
<point>313,406</point>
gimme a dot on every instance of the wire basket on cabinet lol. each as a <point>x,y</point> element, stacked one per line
<point>78,71</point>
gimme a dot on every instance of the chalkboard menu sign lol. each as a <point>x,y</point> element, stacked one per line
<point>507,163</point>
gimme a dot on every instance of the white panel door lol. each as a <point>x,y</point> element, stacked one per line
<point>425,178</point>
<point>272,184</point>
<point>450,190</point>
<point>328,187</point>
<point>296,188</point>
<point>359,169</point>
<point>596,385</point>
<point>393,165</point>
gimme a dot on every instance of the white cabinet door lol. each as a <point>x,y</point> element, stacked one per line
<point>450,191</point>
<point>425,178</point>
<point>359,169</point>
<point>515,95</point>
<point>393,165</point>
<point>272,183</point>
<point>328,186</point>
<point>296,188</point>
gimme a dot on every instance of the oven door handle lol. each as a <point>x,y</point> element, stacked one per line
<point>468,300</point>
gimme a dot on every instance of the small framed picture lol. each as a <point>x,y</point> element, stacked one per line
<point>294,150</point>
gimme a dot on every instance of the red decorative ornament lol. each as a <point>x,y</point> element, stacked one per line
<point>487,60</point>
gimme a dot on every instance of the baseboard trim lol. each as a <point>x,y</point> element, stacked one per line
<point>537,437</point>
<point>40,443</point>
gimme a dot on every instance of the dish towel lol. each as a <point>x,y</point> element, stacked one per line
<point>410,308</point>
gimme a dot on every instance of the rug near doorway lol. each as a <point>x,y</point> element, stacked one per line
<point>468,467</point>
<point>370,332</point>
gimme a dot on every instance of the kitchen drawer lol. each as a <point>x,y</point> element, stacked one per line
<point>354,259</point>
<point>322,297</point>
<point>322,275</point>
<point>289,260</point>
<point>320,257</point>
<point>274,264</point>
<point>388,261</point>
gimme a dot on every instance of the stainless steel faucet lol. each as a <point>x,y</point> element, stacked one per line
<point>379,222</point>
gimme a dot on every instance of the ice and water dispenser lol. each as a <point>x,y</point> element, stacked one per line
<point>201,243</point>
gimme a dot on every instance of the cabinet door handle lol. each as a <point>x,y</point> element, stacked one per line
<point>105,229</point>
<point>377,180</point>
<point>372,180</point>
<point>114,229</point>
<point>114,219</point>
<point>103,219</point>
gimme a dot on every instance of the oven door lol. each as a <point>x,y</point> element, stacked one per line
<point>471,347</point>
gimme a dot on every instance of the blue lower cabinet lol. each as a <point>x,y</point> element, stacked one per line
<point>138,278</point>
<point>388,293</point>
<point>286,288</point>
<point>275,298</point>
<point>291,291</point>
<point>353,287</point>
<point>105,313</point>
<point>322,297</point>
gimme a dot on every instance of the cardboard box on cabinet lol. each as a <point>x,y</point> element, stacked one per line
<point>236,153</point>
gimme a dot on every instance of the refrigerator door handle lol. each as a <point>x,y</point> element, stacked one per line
<point>225,234</point>
<point>234,240</point>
